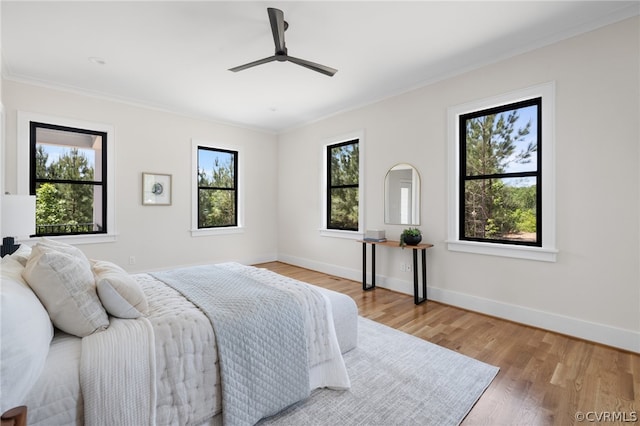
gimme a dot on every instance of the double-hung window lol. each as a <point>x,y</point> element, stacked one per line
<point>217,187</point>
<point>501,175</point>
<point>68,176</point>
<point>343,177</point>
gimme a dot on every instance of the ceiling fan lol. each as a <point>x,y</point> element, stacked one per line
<point>278,27</point>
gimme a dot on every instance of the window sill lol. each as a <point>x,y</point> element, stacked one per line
<point>217,231</point>
<point>504,250</point>
<point>75,239</point>
<point>335,233</point>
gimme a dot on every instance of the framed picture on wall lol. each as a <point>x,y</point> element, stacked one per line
<point>156,189</point>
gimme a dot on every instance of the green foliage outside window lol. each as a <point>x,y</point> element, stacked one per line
<point>64,193</point>
<point>217,192</point>
<point>343,186</point>
<point>501,174</point>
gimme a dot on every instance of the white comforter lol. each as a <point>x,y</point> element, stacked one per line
<point>186,357</point>
<point>118,374</point>
<point>186,376</point>
<point>186,364</point>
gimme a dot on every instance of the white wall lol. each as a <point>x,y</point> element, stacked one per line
<point>593,290</point>
<point>158,142</point>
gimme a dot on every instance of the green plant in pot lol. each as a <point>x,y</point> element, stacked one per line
<point>410,237</point>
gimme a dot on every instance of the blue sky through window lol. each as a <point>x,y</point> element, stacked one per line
<point>55,152</point>
<point>526,115</point>
<point>207,159</point>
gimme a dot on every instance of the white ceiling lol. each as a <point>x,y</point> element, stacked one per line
<point>175,55</point>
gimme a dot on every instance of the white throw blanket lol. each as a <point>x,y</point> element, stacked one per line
<point>118,374</point>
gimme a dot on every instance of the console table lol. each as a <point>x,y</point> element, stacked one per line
<point>396,244</point>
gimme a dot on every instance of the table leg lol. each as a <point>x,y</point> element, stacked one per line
<point>373,266</point>
<point>415,276</point>
<point>424,274</point>
<point>364,267</point>
<point>416,296</point>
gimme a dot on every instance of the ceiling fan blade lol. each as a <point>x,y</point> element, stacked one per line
<point>276,18</point>
<point>313,66</point>
<point>253,64</point>
<point>278,27</point>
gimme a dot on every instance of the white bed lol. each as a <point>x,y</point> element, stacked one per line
<point>186,371</point>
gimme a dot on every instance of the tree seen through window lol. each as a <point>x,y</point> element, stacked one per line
<point>217,188</point>
<point>68,176</point>
<point>343,176</point>
<point>500,174</point>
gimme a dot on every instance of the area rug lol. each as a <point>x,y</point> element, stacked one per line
<point>396,379</point>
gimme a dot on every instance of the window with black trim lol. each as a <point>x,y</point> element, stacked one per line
<point>68,176</point>
<point>343,175</point>
<point>217,187</point>
<point>500,174</point>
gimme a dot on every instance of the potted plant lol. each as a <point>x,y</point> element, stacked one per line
<point>410,237</point>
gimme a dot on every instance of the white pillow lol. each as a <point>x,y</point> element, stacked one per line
<point>119,293</point>
<point>62,247</point>
<point>26,333</point>
<point>61,277</point>
<point>22,254</point>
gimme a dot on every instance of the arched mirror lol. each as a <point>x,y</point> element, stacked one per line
<point>402,195</point>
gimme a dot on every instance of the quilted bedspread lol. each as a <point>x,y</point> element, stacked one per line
<point>188,366</point>
<point>187,380</point>
<point>261,334</point>
<point>117,374</point>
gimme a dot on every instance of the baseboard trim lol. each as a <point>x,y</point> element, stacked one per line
<point>326,268</point>
<point>594,332</point>
<point>259,259</point>
<point>628,340</point>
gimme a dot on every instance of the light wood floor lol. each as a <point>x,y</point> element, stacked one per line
<point>545,378</point>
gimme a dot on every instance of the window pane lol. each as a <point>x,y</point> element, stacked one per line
<point>67,163</point>
<point>502,142</point>
<point>67,155</point>
<point>216,168</point>
<point>66,208</point>
<point>217,207</point>
<point>501,209</point>
<point>217,192</point>
<point>344,165</point>
<point>344,209</point>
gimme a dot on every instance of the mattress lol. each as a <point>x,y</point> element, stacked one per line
<point>188,386</point>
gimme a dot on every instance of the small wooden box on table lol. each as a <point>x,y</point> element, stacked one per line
<point>396,244</point>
